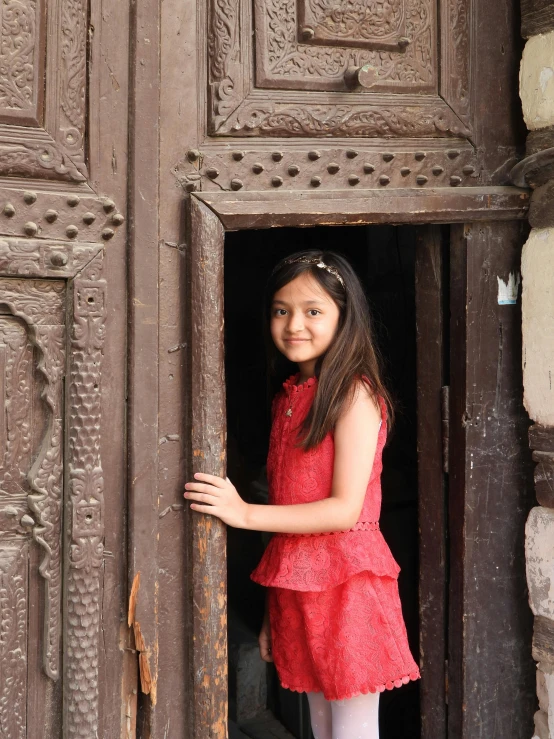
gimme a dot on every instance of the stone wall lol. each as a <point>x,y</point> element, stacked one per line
<point>537,171</point>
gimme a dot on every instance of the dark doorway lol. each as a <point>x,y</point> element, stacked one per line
<point>384,257</point>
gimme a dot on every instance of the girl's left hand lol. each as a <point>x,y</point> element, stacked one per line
<point>220,498</point>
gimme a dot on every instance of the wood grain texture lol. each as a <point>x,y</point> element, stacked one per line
<point>143,434</point>
<point>209,442</point>
<point>541,441</point>
<point>107,143</point>
<point>543,640</point>
<point>431,484</point>
<point>537,16</point>
<point>446,205</point>
<point>491,675</point>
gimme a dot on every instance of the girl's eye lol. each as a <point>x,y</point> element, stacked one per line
<point>314,312</point>
<point>280,311</point>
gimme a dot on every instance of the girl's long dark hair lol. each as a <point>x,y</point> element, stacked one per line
<point>351,354</point>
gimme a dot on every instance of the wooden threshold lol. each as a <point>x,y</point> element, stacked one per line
<point>251,210</point>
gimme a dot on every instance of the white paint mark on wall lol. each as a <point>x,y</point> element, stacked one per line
<point>507,291</point>
<point>545,76</point>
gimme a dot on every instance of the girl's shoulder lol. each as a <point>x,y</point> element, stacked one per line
<point>362,391</point>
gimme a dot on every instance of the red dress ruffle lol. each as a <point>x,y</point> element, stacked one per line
<point>335,613</point>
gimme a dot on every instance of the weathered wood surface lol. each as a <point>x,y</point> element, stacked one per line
<point>543,641</point>
<point>143,434</point>
<point>448,205</point>
<point>209,442</point>
<point>431,484</point>
<point>108,64</point>
<point>542,138</point>
<point>537,16</point>
<point>491,674</point>
<point>541,441</point>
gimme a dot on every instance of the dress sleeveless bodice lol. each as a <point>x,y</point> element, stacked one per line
<point>316,562</point>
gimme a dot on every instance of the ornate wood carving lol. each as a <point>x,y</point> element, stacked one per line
<point>13,639</point>
<point>21,62</point>
<point>86,503</point>
<point>44,258</point>
<point>373,24</point>
<point>287,65</point>
<point>41,305</point>
<point>70,217</point>
<point>330,168</point>
<point>456,57</point>
<point>54,148</point>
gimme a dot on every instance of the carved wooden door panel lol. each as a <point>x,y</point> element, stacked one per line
<point>62,186</point>
<point>32,369</point>
<point>378,61</point>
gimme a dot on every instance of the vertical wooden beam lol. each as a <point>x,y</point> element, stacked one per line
<point>431,483</point>
<point>491,674</point>
<point>209,572</point>
<point>143,435</point>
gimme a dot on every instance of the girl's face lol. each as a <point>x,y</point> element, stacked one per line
<point>304,320</point>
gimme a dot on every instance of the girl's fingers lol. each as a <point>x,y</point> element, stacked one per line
<point>214,480</point>
<point>205,509</point>
<point>202,497</point>
<point>201,488</point>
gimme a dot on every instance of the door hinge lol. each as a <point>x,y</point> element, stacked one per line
<point>445,417</point>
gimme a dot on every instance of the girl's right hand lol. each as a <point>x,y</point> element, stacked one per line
<point>264,640</point>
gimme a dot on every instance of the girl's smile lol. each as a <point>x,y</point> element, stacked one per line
<point>304,322</point>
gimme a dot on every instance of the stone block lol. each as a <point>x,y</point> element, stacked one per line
<point>536,81</point>
<point>537,301</point>
<point>541,726</point>
<point>545,694</point>
<point>539,558</point>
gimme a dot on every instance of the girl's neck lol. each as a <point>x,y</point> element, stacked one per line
<point>306,371</point>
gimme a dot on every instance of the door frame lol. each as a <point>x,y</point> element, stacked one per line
<point>209,216</point>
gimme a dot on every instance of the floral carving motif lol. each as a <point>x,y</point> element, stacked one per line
<point>341,120</point>
<point>459,23</point>
<point>24,257</point>
<point>355,21</point>
<point>13,640</point>
<point>72,82</point>
<point>40,305</point>
<point>17,378</point>
<point>224,57</point>
<point>38,160</point>
<point>17,53</point>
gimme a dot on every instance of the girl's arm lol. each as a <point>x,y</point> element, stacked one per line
<point>355,439</point>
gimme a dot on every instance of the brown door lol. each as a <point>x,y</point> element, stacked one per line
<point>62,206</point>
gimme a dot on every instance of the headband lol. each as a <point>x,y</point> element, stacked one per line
<point>318,263</point>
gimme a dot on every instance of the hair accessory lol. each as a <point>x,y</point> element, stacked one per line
<point>318,263</point>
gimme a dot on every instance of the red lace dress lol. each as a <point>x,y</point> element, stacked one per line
<point>334,608</point>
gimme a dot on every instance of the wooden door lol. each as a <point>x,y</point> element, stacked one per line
<point>62,205</point>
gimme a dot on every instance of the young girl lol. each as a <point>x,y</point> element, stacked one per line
<point>333,623</point>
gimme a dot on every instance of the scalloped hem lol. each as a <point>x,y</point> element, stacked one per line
<point>390,685</point>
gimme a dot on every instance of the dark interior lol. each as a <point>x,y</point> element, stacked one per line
<point>384,258</point>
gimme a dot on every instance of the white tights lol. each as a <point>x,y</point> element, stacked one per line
<point>355,718</point>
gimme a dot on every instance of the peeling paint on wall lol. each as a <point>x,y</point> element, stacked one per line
<point>508,291</point>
